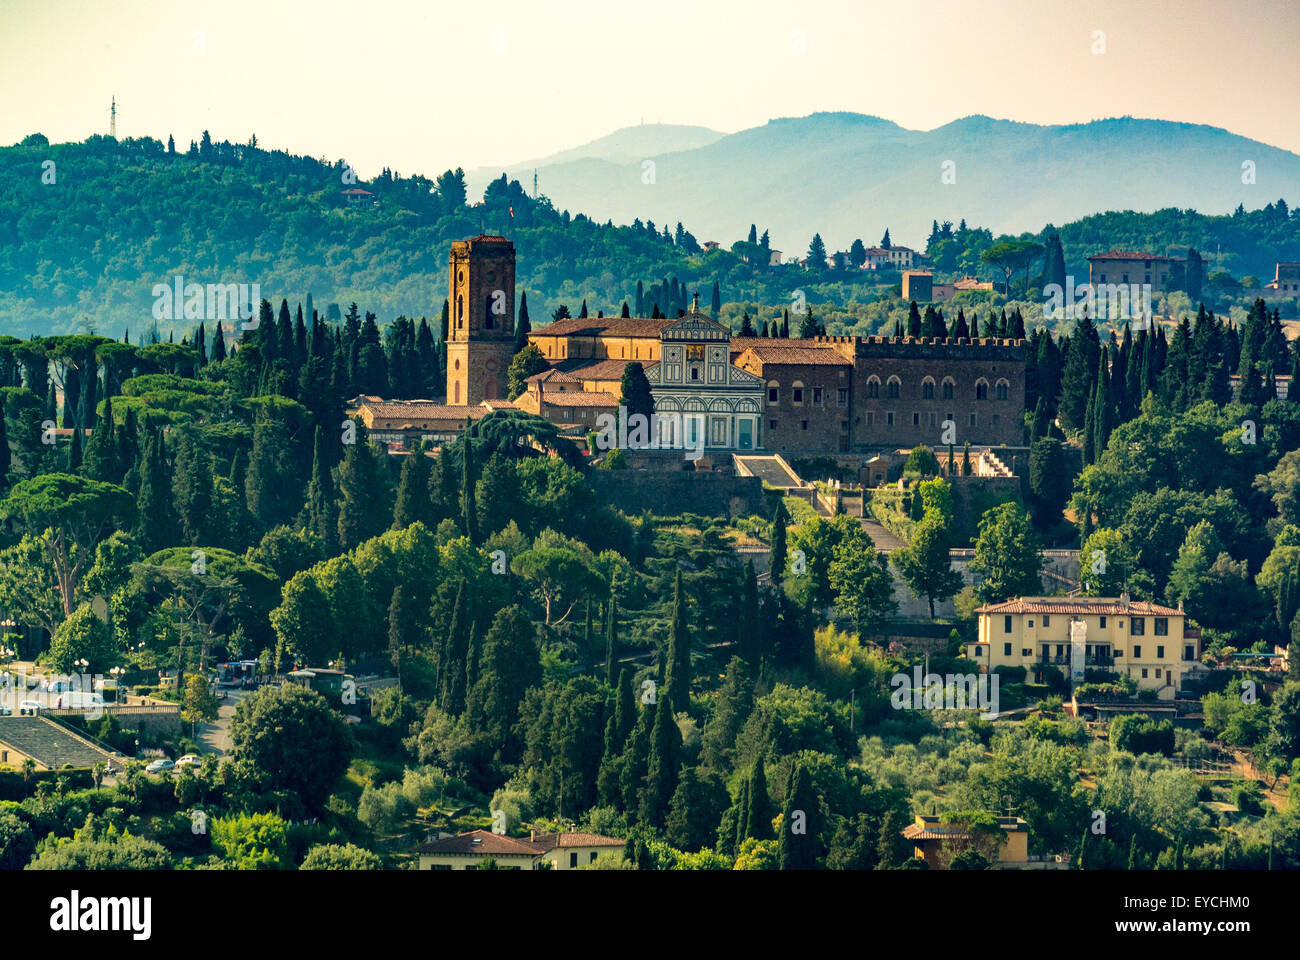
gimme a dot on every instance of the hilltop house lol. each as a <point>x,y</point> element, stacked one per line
<point>548,851</point>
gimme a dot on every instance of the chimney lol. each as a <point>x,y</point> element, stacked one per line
<point>532,836</point>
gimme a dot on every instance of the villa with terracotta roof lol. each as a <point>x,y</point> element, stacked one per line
<point>547,851</point>
<point>1165,274</point>
<point>937,842</point>
<point>1149,642</point>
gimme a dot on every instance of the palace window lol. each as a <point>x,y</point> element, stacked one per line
<point>817,395</point>
<point>927,389</point>
<point>873,388</point>
<point>1002,389</point>
<point>981,390</point>
<point>947,389</point>
<point>894,385</point>
<point>843,396</point>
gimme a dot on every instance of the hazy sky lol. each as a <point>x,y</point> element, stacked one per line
<point>421,85</point>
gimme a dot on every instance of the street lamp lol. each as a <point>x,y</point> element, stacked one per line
<point>116,674</point>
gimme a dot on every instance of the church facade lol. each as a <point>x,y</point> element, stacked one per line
<point>695,378</point>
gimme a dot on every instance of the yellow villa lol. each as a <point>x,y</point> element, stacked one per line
<point>1151,643</point>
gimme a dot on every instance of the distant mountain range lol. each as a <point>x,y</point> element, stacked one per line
<point>850,176</point>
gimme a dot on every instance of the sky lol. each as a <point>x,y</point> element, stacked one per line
<point>419,86</point>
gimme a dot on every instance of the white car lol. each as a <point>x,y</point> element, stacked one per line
<point>159,766</point>
<point>189,760</point>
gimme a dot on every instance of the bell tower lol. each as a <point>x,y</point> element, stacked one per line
<point>480,319</point>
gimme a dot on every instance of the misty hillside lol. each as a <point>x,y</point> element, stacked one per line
<point>846,176</point>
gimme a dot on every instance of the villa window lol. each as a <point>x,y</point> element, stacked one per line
<point>1139,626</point>
<point>1162,626</point>
<point>1006,624</point>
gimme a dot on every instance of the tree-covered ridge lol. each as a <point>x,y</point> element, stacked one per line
<point>83,243</point>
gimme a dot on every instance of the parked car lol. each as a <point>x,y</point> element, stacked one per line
<point>189,760</point>
<point>30,708</point>
<point>159,766</point>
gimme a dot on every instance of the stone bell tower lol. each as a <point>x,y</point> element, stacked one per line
<point>481,319</point>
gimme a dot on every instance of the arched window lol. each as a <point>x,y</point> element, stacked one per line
<point>981,389</point>
<point>894,386</point>
<point>927,389</point>
<point>487,312</point>
<point>947,388</point>
<point>873,387</point>
<point>1002,389</point>
<point>773,392</point>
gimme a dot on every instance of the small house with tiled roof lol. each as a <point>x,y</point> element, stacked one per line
<point>937,842</point>
<point>553,851</point>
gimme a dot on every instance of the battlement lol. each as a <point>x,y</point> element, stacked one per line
<point>964,348</point>
<point>946,348</point>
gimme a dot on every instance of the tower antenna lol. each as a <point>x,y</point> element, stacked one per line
<point>112,119</point>
<point>534,183</point>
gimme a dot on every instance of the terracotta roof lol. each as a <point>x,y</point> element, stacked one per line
<point>932,829</point>
<point>553,840</point>
<point>420,410</point>
<point>607,326</point>
<point>1081,605</point>
<point>553,375</point>
<point>580,398</point>
<point>786,352</point>
<point>1132,255</point>
<point>482,843</point>
<point>600,370</point>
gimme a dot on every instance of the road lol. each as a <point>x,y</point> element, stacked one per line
<point>215,737</point>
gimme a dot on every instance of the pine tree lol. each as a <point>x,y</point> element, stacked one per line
<point>678,668</point>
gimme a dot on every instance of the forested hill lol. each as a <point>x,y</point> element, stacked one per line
<point>87,230</point>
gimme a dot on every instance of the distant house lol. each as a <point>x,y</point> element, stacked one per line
<point>1122,267</point>
<point>775,259</point>
<point>355,196</point>
<point>558,851</point>
<point>936,842</point>
<point>710,244</point>
<point>897,258</point>
<point>1286,280</point>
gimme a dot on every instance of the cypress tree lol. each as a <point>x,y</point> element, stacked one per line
<point>611,638</point>
<point>1102,413</point>
<point>777,555</point>
<point>624,706</point>
<point>678,671</point>
<point>1089,432</point>
<point>217,350</point>
<point>1133,853</point>
<point>363,510</point>
<point>412,502</point>
<point>321,508</point>
<point>635,764</point>
<point>966,468</point>
<point>747,622</point>
<point>451,667</point>
<point>155,525</point>
<point>661,767</point>
<point>469,510</point>
<point>74,451</point>
<point>192,489</point>
<point>800,850</point>
<point>6,459</point>
<point>758,809</point>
